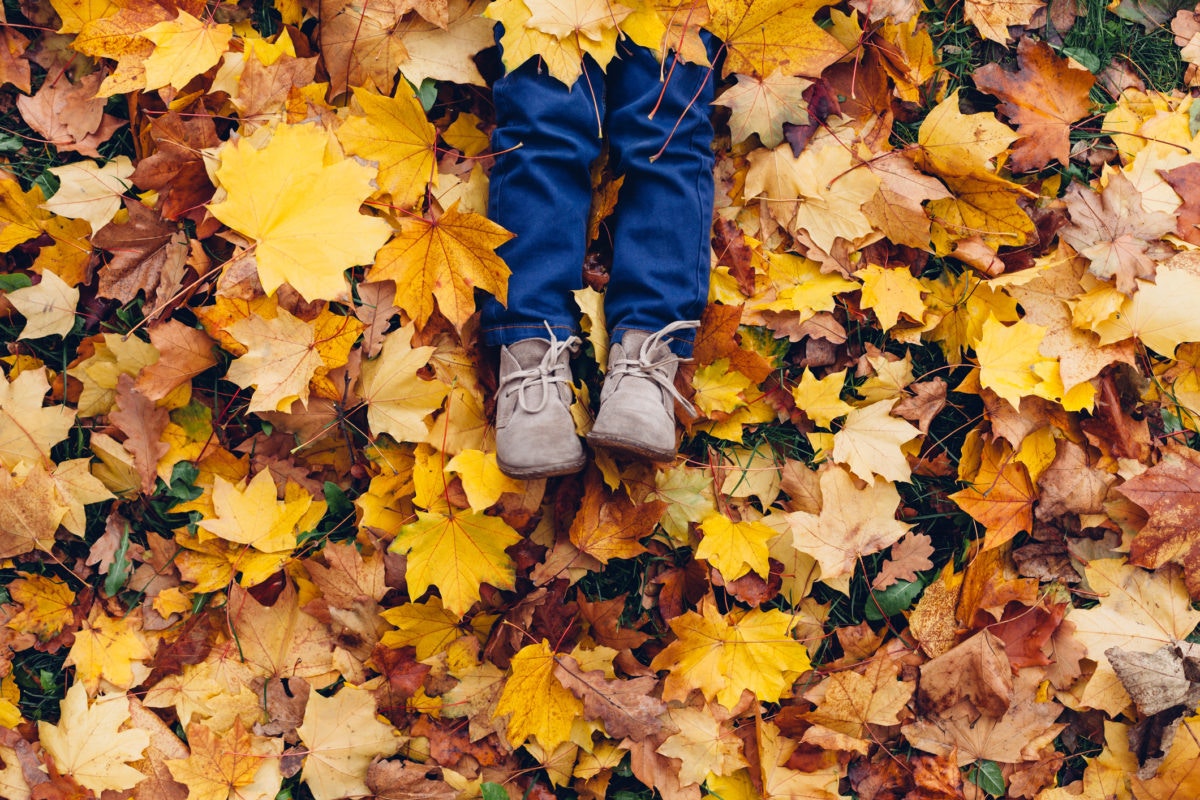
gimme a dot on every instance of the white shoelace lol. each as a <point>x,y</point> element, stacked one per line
<point>547,373</point>
<point>655,370</point>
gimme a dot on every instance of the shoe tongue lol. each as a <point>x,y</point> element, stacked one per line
<point>529,352</point>
<point>632,341</point>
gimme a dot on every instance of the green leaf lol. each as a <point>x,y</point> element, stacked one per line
<point>987,776</point>
<point>118,572</point>
<point>892,600</point>
<point>1085,57</point>
<point>427,94</point>
<point>14,281</point>
<point>493,791</point>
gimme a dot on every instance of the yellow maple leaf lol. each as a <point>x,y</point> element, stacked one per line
<point>821,398</point>
<point>113,355</point>
<point>183,48</point>
<point>724,655</point>
<point>21,217</point>
<point>763,105</point>
<point>979,208</point>
<point>253,516</point>
<point>735,548</point>
<point>481,478</point>
<point>91,191</point>
<point>27,430</point>
<point>797,284</point>
<point>426,627</point>
<point>957,144</point>
<point>456,552</point>
<point>398,399</point>
<point>992,18</point>
<point>763,36</point>
<point>871,442</point>
<point>891,292</point>
<point>343,735</point>
<point>47,605</point>
<point>854,521</point>
<point>447,258</point>
<point>560,32</point>
<point>112,648</point>
<point>32,511</point>
<point>74,14</point>
<point>118,35</point>
<point>1007,358</point>
<point>48,307</point>
<point>704,745</point>
<point>281,640</point>
<point>231,764</point>
<point>1161,315</point>
<point>537,704</point>
<point>394,133</point>
<point>280,360</point>
<point>298,198</point>
<point>88,742</point>
<point>719,389</point>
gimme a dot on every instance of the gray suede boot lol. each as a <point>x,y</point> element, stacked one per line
<point>637,403</point>
<point>535,434</point>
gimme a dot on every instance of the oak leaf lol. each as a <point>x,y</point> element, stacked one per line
<point>724,655</point>
<point>853,522</point>
<point>457,553</point>
<point>88,742</point>
<point>1044,97</point>
<point>301,207</point>
<point>910,555</point>
<point>536,703</point>
<point>343,736</point>
<point>447,259</point>
<point>143,423</point>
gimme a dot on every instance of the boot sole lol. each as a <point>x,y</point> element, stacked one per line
<point>542,471</point>
<point>630,446</point>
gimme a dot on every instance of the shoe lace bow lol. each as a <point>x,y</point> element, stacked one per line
<point>644,365</point>
<point>545,374</point>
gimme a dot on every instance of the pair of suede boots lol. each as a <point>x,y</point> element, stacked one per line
<point>535,433</point>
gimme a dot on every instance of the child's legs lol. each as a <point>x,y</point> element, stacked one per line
<point>546,138</point>
<point>663,219</point>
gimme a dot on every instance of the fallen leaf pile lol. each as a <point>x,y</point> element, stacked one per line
<point>932,533</point>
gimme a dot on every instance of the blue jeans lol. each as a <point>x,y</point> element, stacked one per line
<point>660,139</point>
